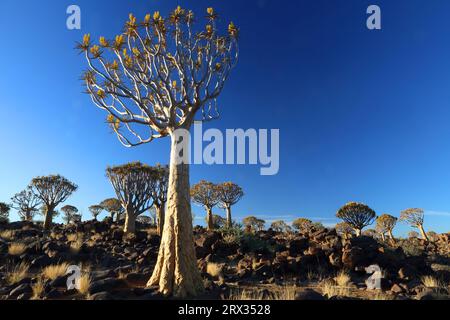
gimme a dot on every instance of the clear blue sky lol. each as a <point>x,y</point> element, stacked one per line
<point>364,115</point>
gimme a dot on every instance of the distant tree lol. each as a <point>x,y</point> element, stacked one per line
<point>4,212</point>
<point>26,203</point>
<point>69,214</point>
<point>95,210</point>
<point>114,207</point>
<point>134,184</point>
<point>280,226</point>
<point>413,235</point>
<point>414,217</point>
<point>371,233</point>
<point>153,79</point>
<point>52,190</point>
<point>76,218</point>
<point>218,221</point>
<point>146,220</point>
<point>303,225</point>
<point>206,194</point>
<point>317,226</point>
<point>160,195</point>
<point>254,223</point>
<point>432,236</point>
<point>357,215</point>
<point>385,224</point>
<point>345,230</point>
<point>153,216</point>
<point>229,194</point>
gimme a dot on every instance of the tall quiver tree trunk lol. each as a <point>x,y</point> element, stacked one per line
<point>209,218</point>
<point>160,217</point>
<point>422,232</point>
<point>130,223</point>
<point>229,221</point>
<point>48,219</point>
<point>176,269</point>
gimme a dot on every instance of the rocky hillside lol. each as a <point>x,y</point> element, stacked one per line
<point>316,265</point>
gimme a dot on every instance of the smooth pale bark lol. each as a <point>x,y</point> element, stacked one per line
<point>422,232</point>
<point>48,217</point>
<point>358,232</point>
<point>160,216</point>
<point>176,271</point>
<point>391,235</point>
<point>130,223</point>
<point>383,237</point>
<point>209,218</point>
<point>229,221</point>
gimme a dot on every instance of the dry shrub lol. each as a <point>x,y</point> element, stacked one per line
<point>55,271</point>
<point>213,269</point>
<point>17,272</point>
<point>16,249</point>
<point>7,235</point>
<point>38,288</point>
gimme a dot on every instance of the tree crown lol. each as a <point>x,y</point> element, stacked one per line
<point>159,72</point>
<point>357,215</point>
<point>53,189</point>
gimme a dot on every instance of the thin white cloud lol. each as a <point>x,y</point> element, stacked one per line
<point>437,213</point>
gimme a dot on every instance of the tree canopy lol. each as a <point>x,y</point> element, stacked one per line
<point>357,215</point>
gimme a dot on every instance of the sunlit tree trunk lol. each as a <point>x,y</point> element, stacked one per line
<point>391,235</point>
<point>176,271</point>
<point>423,233</point>
<point>160,216</point>
<point>130,223</point>
<point>358,232</point>
<point>49,211</point>
<point>229,221</point>
<point>209,219</point>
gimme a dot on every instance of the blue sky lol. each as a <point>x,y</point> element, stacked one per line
<point>363,115</point>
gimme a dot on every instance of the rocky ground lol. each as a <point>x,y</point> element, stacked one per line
<point>235,265</point>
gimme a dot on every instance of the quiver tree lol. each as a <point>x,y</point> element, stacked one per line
<point>357,215</point>
<point>385,224</point>
<point>114,207</point>
<point>218,221</point>
<point>414,217</point>
<point>26,203</point>
<point>253,223</point>
<point>159,74</point>
<point>303,225</point>
<point>160,195</point>
<point>70,213</point>
<point>280,226</point>
<point>52,190</point>
<point>95,210</point>
<point>206,194</point>
<point>4,212</point>
<point>229,194</point>
<point>133,183</point>
<point>345,230</point>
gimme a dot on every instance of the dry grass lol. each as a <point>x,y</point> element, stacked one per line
<point>379,296</point>
<point>431,282</point>
<point>213,269</point>
<point>17,272</point>
<point>342,279</point>
<point>16,249</point>
<point>76,245</point>
<point>285,293</point>
<point>7,235</point>
<point>38,288</point>
<point>84,284</point>
<point>330,289</point>
<point>55,271</point>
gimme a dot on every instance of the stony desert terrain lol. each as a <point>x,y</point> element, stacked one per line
<point>235,264</point>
